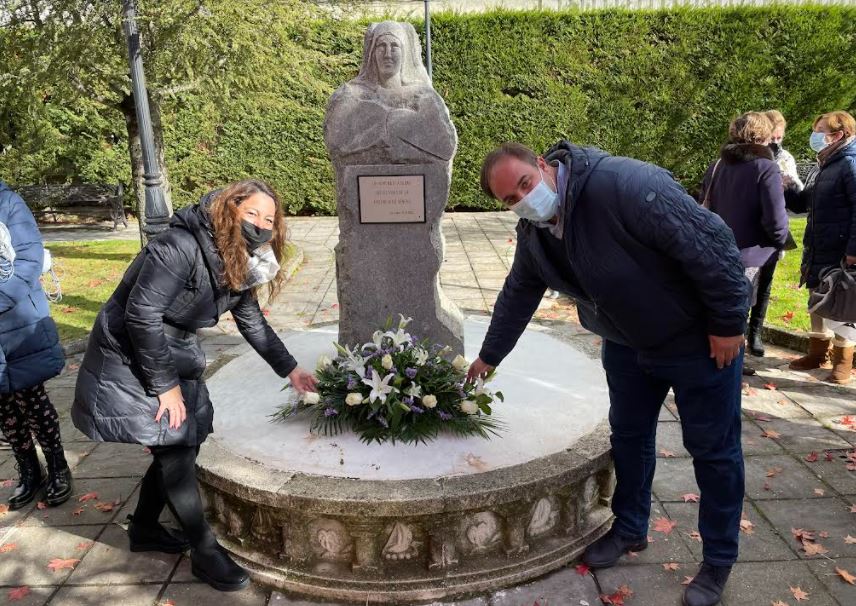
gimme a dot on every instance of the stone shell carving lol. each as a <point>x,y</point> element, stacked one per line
<point>482,532</point>
<point>330,540</point>
<point>236,524</point>
<point>400,544</point>
<point>545,514</point>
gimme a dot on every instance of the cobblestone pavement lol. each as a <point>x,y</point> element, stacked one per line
<point>795,443</point>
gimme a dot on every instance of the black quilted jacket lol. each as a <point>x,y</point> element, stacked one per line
<point>144,343</point>
<point>648,267</point>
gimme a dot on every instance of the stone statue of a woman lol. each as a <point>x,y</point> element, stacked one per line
<point>389,113</point>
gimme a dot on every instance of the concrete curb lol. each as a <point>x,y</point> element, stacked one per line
<point>798,341</point>
<point>78,346</point>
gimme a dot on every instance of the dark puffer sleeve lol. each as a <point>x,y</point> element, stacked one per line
<point>660,213</point>
<point>162,277</point>
<point>255,329</point>
<point>518,300</point>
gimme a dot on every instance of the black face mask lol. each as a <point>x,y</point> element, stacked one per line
<point>255,236</point>
<point>776,147</point>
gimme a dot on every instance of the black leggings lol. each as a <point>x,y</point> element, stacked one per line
<point>171,481</point>
<point>29,412</point>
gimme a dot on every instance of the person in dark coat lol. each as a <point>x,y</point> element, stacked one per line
<point>30,354</point>
<point>744,187</point>
<point>660,279</point>
<point>829,197</point>
<point>141,377</point>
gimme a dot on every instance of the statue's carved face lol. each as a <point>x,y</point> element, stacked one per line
<point>388,56</point>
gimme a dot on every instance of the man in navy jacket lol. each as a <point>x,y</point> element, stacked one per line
<point>661,280</point>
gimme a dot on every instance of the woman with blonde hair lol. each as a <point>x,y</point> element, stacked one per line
<point>744,187</point>
<point>781,156</point>
<point>829,197</point>
<point>141,378</point>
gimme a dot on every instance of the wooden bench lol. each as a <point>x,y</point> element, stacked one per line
<point>86,199</point>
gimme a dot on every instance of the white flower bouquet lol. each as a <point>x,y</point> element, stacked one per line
<point>396,388</point>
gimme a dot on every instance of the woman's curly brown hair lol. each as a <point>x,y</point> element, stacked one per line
<point>226,222</point>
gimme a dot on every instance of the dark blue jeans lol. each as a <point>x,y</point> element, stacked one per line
<point>708,402</point>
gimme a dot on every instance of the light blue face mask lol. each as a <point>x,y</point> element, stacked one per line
<point>817,141</point>
<point>538,205</point>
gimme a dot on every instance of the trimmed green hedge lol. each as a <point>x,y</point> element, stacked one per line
<point>657,85</point>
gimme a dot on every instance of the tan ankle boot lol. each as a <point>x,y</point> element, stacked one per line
<point>817,356</point>
<point>842,364</point>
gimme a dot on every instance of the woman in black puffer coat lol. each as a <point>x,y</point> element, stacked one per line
<point>829,197</point>
<point>141,378</point>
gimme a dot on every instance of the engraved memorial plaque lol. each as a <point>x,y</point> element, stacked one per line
<point>392,199</point>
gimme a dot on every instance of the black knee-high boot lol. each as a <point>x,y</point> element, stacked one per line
<point>759,310</point>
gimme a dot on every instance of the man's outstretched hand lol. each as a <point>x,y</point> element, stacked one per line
<point>478,370</point>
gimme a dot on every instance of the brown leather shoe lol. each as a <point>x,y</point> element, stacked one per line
<point>817,356</point>
<point>842,365</point>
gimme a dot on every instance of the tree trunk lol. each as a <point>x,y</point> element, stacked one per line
<point>136,152</point>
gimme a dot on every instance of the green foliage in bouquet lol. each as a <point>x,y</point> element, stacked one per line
<point>399,389</point>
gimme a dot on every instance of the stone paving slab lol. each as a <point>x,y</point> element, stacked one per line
<point>37,596</point>
<point>103,595</point>
<point>36,547</point>
<point>842,591</point>
<point>562,587</point>
<point>651,583</point>
<point>110,562</point>
<point>790,478</point>
<point>759,584</point>
<point>828,515</point>
<point>199,594</point>
<point>114,461</point>
<point>75,513</point>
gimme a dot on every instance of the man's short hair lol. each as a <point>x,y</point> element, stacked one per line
<point>515,150</point>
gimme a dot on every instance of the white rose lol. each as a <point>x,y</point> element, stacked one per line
<point>311,397</point>
<point>323,362</point>
<point>386,361</point>
<point>429,401</point>
<point>469,407</point>
<point>353,399</point>
<point>460,363</point>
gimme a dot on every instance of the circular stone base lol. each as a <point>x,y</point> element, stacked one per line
<point>335,518</point>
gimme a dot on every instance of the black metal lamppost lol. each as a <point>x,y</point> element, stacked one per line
<point>156,211</point>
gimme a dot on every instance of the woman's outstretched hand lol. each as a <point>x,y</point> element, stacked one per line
<point>173,402</point>
<point>303,380</point>
<point>478,370</point>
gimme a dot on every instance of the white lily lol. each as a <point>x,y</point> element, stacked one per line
<point>480,388</point>
<point>377,340</point>
<point>380,387</point>
<point>399,338</point>
<point>414,391</point>
<point>356,363</point>
<point>403,322</point>
<point>420,356</point>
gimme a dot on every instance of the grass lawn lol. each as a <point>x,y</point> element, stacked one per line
<point>787,301</point>
<point>88,273</point>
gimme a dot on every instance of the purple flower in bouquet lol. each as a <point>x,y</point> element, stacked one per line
<point>352,383</point>
<point>416,409</point>
<point>410,372</point>
<point>383,422</point>
<point>444,415</point>
<point>408,400</point>
<point>330,412</point>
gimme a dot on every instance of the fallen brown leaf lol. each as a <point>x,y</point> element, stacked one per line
<point>814,548</point>
<point>778,603</point>
<point>666,453</point>
<point>850,540</point>
<point>89,496</point>
<point>77,511</point>
<point>695,535</point>
<point>19,593</point>
<point>7,483</point>
<point>671,566</point>
<point>625,591</point>
<point>811,457</point>
<point>849,578</point>
<point>41,505</point>
<point>687,580</point>
<point>774,471</point>
<point>582,569</point>
<point>61,564</point>
<point>771,386</point>
<point>691,498</point>
<point>819,492</point>
<point>823,534</point>
<point>769,433</point>
<point>799,594</point>
<point>84,546</point>
<point>747,527</point>
<point>8,547</point>
<point>664,525</point>
<point>802,535</point>
<point>787,317</point>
